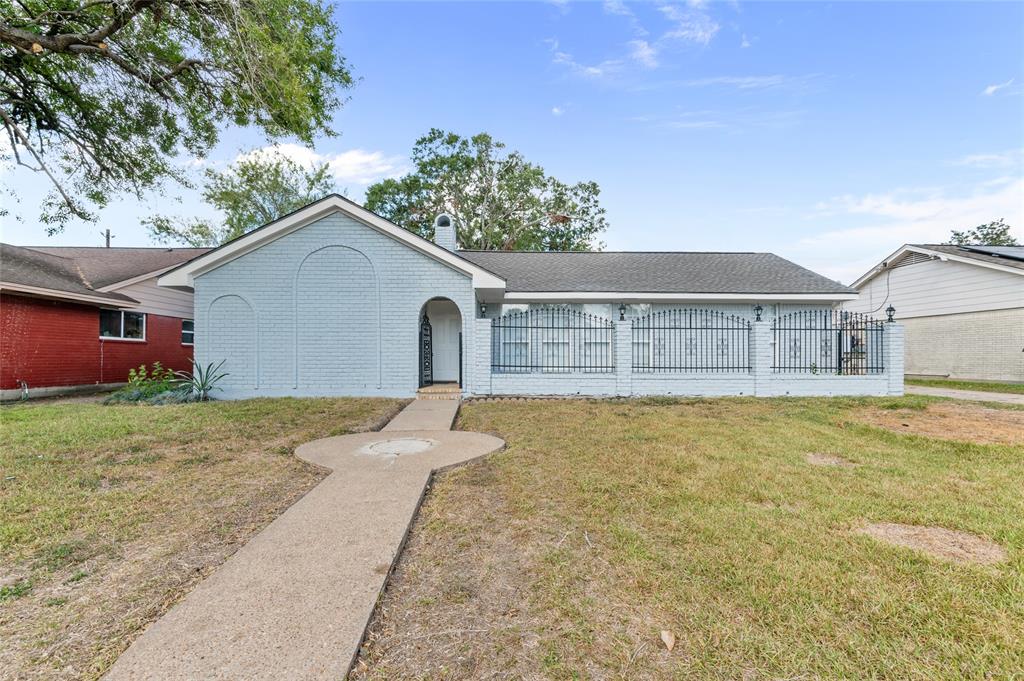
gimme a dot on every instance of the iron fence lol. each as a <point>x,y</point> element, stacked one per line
<point>691,340</point>
<point>828,342</point>
<point>552,339</point>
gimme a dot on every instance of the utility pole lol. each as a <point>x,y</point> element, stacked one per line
<point>106,233</point>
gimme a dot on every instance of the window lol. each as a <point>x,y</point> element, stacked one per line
<point>555,346</point>
<point>123,325</point>
<point>515,349</point>
<point>188,332</point>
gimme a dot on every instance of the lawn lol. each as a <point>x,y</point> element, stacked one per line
<point>605,523</point>
<point>110,514</point>
<point>986,386</point>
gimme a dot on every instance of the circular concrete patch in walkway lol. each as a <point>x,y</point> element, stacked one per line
<point>402,446</point>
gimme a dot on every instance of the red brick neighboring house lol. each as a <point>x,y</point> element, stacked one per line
<point>77,317</point>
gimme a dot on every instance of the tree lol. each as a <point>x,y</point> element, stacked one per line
<point>498,200</point>
<point>996,233</point>
<point>103,95</point>
<point>253,191</point>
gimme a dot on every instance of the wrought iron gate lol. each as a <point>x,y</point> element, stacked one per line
<point>426,352</point>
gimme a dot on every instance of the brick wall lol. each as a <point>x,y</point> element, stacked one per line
<point>760,380</point>
<point>332,308</point>
<point>47,342</point>
<point>54,343</point>
<point>974,345</point>
<point>162,344</point>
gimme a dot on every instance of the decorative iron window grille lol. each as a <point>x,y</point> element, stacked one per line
<point>552,339</point>
<point>691,340</point>
<point>828,342</point>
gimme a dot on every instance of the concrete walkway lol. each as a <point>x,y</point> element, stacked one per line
<point>295,601</point>
<point>425,415</point>
<point>972,395</point>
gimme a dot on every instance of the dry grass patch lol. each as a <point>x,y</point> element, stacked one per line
<point>954,421</point>
<point>604,523</point>
<point>960,547</point>
<point>109,515</point>
<point>818,459</point>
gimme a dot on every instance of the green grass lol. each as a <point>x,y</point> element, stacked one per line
<point>986,386</point>
<point>112,512</point>
<point>614,520</point>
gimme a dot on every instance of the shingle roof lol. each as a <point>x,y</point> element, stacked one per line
<point>81,271</point>
<point>104,266</point>
<point>1011,256</point>
<point>661,272</point>
<point>28,267</point>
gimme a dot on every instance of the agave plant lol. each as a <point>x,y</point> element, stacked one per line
<point>202,381</point>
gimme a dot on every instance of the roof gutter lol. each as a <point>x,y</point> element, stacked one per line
<point>642,297</point>
<point>67,295</point>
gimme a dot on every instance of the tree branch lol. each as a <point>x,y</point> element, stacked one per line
<point>23,138</point>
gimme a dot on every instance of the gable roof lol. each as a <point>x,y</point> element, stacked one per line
<point>676,273</point>
<point>102,267</point>
<point>183,275</point>
<point>1002,258</point>
<point>27,270</point>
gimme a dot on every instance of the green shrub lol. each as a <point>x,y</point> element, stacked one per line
<point>163,386</point>
<point>145,385</point>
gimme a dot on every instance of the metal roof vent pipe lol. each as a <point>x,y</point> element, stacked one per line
<point>444,232</point>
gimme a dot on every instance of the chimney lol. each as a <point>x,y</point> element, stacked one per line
<point>444,232</point>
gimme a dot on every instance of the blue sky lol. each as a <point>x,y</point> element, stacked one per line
<point>829,133</point>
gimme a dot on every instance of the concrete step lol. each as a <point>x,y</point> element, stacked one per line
<point>440,391</point>
<point>439,396</point>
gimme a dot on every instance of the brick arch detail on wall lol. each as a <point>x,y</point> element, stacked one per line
<point>376,314</point>
<point>253,332</point>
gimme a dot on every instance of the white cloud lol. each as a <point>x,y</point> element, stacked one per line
<point>1003,159</point>
<point>739,82</point>
<point>883,222</point>
<point>736,121</point>
<point>695,124</point>
<point>616,7</point>
<point>764,82</point>
<point>689,25</point>
<point>355,166</point>
<point>992,89</point>
<point>643,53</point>
<point>557,111</point>
<point>598,71</point>
<point>744,42</point>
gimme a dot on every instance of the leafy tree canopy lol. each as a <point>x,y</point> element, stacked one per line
<point>102,95</point>
<point>498,199</point>
<point>995,233</point>
<point>255,190</point>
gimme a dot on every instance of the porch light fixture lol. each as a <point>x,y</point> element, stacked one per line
<point>622,312</point>
<point>483,309</point>
<point>757,312</point>
<point>890,312</point>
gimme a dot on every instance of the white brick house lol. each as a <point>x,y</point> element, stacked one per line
<point>962,308</point>
<point>334,300</point>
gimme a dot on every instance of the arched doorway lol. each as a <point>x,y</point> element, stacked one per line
<point>440,343</point>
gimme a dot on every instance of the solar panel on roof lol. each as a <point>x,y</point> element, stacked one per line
<point>1011,252</point>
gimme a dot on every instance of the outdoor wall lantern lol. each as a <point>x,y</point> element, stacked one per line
<point>890,311</point>
<point>757,312</point>
<point>622,312</point>
<point>483,309</point>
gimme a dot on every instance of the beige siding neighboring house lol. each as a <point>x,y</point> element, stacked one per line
<point>962,307</point>
<point>158,299</point>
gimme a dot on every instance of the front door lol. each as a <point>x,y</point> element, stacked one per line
<point>445,324</point>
